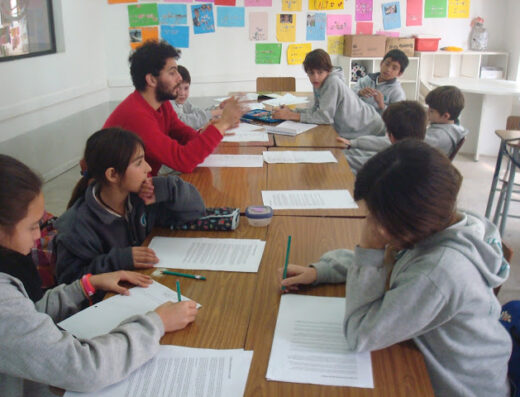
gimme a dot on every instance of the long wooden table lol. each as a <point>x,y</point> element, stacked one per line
<point>309,176</point>
<point>322,136</point>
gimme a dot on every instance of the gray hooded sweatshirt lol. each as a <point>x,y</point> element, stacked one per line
<point>363,148</point>
<point>193,116</point>
<point>440,295</point>
<point>335,103</point>
<point>35,353</point>
<point>445,137</point>
<point>391,90</point>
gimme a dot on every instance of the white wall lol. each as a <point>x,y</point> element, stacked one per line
<point>224,61</point>
<point>36,91</point>
<point>512,42</point>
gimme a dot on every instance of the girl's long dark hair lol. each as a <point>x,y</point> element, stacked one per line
<point>107,148</point>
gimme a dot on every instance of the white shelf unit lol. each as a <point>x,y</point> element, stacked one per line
<point>443,64</point>
<point>409,80</point>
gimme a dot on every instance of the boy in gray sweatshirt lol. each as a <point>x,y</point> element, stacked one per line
<point>440,288</point>
<point>444,107</point>
<point>334,102</point>
<point>382,88</point>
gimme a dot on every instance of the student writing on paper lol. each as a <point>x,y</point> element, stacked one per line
<point>114,207</point>
<point>440,291</point>
<point>334,102</point>
<point>34,352</point>
<point>149,113</point>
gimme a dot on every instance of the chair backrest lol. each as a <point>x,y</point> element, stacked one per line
<point>457,148</point>
<point>270,84</point>
<point>513,123</point>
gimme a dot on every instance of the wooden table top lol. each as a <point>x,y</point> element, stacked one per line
<point>230,187</point>
<point>311,176</point>
<point>320,136</point>
<point>252,143</point>
<point>398,370</point>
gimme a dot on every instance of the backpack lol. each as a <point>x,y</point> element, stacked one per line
<point>510,319</point>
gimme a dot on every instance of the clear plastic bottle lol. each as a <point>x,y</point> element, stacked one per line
<point>479,35</point>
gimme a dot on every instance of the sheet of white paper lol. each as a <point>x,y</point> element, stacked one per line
<point>184,371</point>
<point>309,345</point>
<point>225,254</point>
<point>255,105</point>
<point>233,160</point>
<point>290,128</point>
<point>308,199</point>
<point>287,99</point>
<point>103,317</point>
<point>250,96</point>
<point>246,127</point>
<point>299,156</point>
<point>247,133</point>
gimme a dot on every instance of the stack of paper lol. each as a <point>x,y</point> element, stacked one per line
<point>225,254</point>
<point>287,99</point>
<point>106,315</point>
<point>308,199</point>
<point>184,371</point>
<point>309,345</point>
<point>247,133</point>
<point>233,160</point>
<point>290,128</point>
<point>299,156</point>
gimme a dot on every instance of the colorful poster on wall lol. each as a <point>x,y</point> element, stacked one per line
<point>364,27</point>
<point>230,16</point>
<point>296,53</point>
<point>286,27</point>
<point>258,26</point>
<point>335,45</point>
<point>268,53</point>
<point>203,21</point>
<point>326,4</point>
<point>178,1</point>
<point>458,8</point>
<point>435,9</point>
<point>139,35</point>
<point>364,10</point>
<point>316,26</point>
<point>291,5</point>
<point>414,12</point>
<point>177,36</point>
<point>172,14</point>
<point>121,1</point>
<point>387,34</point>
<point>391,15</point>
<point>258,3</point>
<point>143,15</point>
<point>225,3</point>
<point>338,24</point>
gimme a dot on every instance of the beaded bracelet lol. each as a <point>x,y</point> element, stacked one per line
<point>88,288</point>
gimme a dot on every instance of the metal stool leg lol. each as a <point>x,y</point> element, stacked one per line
<point>510,185</point>
<point>502,195</point>
<point>495,178</point>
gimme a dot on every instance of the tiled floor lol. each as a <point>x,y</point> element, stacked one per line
<point>473,196</point>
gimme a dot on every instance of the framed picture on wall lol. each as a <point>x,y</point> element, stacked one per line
<point>26,29</point>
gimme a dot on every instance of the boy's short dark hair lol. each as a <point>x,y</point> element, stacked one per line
<point>150,58</point>
<point>405,119</point>
<point>186,78</point>
<point>317,60</point>
<point>399,57</point>
<point>446,99</point>
<point>410,189</point>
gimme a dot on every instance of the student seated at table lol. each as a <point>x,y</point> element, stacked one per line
<point>439,291</point>
<point>149,113</point>
<point>444,107</point>
<point>405,119</point>
<point>191,115</point>
<point>382,88</point>
<point>34,352</point>
<point>334,102</point>
<point>114,207</point>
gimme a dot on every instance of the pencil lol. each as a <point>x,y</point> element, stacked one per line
<point>179,296</point>
<point>195,276</point>
<point>286,260</point>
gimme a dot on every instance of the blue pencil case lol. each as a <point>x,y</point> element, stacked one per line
<point>260,115</point>
<point>216,219</point>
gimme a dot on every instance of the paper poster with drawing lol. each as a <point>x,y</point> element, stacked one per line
<point>435,9</point>
<point>296,53</point>
<point>177,36</point>
<point>414,12</point>
<point>458,8</point>
<point>286,27</point>
<point>291,5</point>
<point>391,15</point>
<point>143,15</point>
<point>268,53</point>
<point>202,16</point>
<point>338,24</point>
<point>316,26</point>
<point>258,26</point>
<point>364,10</point>
<point>230,16</point>
<point>173,14</point>
<point>364,27</point>
<point>335,45</point>
<point>139,35</point>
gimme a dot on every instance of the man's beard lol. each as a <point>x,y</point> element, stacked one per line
<point>162,95</point>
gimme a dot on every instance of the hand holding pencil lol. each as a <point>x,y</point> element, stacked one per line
<point>296,275</point>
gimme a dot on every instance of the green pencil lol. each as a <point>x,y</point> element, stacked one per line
<point>195,276</point>
<point>286,260</point>
<point>179,296</point>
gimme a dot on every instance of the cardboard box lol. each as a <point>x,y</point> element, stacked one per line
<point>364,45</point>
<point>406,45</point>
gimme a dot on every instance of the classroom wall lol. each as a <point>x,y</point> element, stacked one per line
<point>512,43</point>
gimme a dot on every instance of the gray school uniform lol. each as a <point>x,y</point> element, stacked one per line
<point>445,137</point>
<point>364,148</point>
<point>191,115</point>
<point>391,90</point>
<point>335,103</point>
<point>35,353</point>
<point>440,295</point>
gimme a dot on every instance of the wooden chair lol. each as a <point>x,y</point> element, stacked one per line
<point>275,84</point>
<point>508,255</point>
<point>457,148</point>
